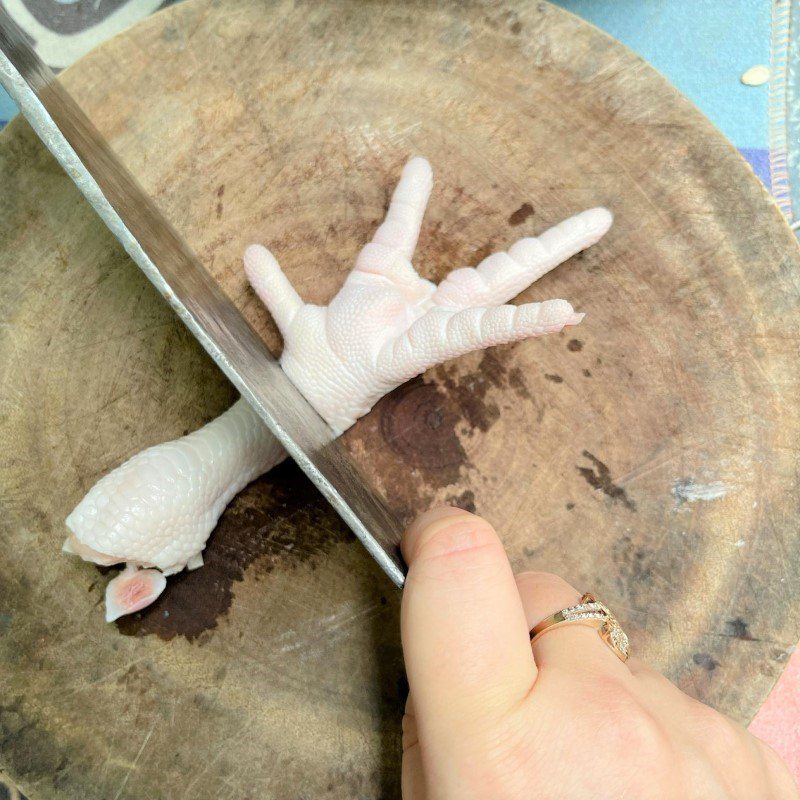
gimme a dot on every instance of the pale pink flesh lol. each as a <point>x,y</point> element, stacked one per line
<point>132,590</point>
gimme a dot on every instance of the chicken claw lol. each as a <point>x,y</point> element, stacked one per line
<point>385,325</point>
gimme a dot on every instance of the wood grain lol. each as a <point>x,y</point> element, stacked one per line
<point>276,670</point>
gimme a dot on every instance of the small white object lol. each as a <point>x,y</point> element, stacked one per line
<point>386,325</point>
<point>132,590</point>
<point>756,76</point>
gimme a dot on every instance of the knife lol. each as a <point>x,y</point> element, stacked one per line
<point>172,267</point>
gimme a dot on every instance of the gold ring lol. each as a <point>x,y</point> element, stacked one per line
<point>589,611</point>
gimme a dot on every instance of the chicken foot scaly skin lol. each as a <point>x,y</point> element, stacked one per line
<point>386,325</point>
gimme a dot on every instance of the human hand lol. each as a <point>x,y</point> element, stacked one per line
<point>487,719</point>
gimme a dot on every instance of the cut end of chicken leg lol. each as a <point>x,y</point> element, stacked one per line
<point>132,590</point>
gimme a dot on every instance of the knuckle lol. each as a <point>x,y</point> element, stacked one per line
<point>627,725</point>
<point>645,735</point>
<point>653,759</point>
<point>623,731</point>
<point>705,718</point>
<point>720,734</point>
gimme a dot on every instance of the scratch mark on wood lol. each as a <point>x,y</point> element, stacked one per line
<point>135,762</point>
<point>688,491</point>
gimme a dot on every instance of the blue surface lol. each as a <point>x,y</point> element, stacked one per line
<point>703,47</point>
<point>7,107</point>
<point>759,161</point>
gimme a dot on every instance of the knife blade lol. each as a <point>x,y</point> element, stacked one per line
<point>171,266</point>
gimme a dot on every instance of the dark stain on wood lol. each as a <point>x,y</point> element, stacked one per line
<point>586,373</point>
<point>738,629</point>
<point>419,423</point>
<point>704,660</point>
<point>553,378</point>
<point>469,392</point>
<point>634,571</point>
<point>574,345</point>
<point>469,397</point>
<point>599,477</point>
<point>29,750</point>
<point>422,424</point>
<point>465,500</point>
<point>277,521</point>
<point>521,214</point>
<point>516,381</point>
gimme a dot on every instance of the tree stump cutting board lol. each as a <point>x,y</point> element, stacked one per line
<point>649,455</point>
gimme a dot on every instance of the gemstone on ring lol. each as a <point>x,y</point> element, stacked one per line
<point>589,611</point>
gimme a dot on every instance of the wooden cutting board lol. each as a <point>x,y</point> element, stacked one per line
<point>650,455</point>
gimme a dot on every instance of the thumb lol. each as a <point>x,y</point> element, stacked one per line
<point>465,637</point>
